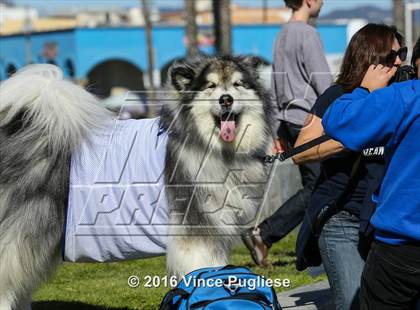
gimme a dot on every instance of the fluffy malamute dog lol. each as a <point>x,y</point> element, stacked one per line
<point>217,119</point>
<point>219,129</point>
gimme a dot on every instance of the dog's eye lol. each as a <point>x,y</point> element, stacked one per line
<point>241,84</point>
<point>211,85</point>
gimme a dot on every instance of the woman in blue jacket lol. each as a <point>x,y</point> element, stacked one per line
<point>368,117</point>
<point>338,201</point>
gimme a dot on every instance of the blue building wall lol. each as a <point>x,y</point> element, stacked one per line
<point>13,49</point>
<point>67,47</point>
<point>12,52</point>
<point>87,48</point>
<point>258,39</point>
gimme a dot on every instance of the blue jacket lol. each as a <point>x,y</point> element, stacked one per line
<point>391,117</point>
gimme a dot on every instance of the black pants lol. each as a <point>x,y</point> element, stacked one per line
<point>292,212</point>
<point>391,277</point>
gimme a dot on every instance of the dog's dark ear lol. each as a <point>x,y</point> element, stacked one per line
<point>181,75</point>
<point>251,61</point>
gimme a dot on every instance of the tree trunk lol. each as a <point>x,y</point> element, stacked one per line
<point>7,2</point>
<point>265,15</point>
<point>150,55</point>
<point>191,28</point>
<point>222,26</point>
<point>399,19</point>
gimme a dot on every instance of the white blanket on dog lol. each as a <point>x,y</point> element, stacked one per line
<point>117,208</point>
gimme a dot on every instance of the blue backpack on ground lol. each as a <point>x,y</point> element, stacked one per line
<point>228,287</point>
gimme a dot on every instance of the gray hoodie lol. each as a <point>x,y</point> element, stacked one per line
<point>300,72</point>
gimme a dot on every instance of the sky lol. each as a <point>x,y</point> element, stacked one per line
<point>50,5</point>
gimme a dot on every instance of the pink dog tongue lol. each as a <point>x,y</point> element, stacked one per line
<point>227,130</point>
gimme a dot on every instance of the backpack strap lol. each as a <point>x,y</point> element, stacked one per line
<point>252,296</point>
<point>229,267</point>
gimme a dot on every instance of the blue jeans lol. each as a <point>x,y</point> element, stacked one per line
<point>342,262</point>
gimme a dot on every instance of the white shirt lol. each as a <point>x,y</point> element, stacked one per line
<point>117,208</point>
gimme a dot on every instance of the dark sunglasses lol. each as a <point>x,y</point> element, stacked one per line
<point>392,56</point>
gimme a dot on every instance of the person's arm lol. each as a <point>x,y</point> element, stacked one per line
<point>316,64</point>
<point>276,109</point>
<point>362,119</point>
<point>312,130</point>
<point>279,145</point>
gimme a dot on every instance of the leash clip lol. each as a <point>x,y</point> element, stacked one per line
<point>269,159</point>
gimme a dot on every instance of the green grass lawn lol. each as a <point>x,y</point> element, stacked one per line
<point>104,286</point>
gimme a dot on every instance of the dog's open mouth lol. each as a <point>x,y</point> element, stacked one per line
<point>227,123</point>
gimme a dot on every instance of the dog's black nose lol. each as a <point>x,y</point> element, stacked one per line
<point>226,100</point>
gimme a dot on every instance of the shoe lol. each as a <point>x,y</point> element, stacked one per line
<point>255,244</point>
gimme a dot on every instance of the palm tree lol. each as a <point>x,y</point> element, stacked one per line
<point>7,2</point>
<point>191,27</point>
<point>399,19</point>
<point>222,26</point>
<point>265,8</point>
<point>150,53</point>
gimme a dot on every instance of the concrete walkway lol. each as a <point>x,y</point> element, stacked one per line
<point>309,297</point>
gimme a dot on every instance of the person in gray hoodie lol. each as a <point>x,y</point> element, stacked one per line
<point>300,75</point>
